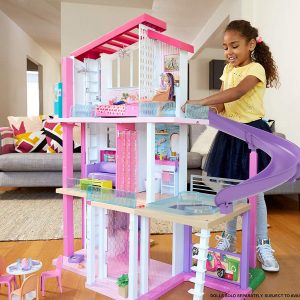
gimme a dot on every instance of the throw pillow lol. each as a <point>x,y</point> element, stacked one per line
<point>54,137</point>
<point>77,139</point>
<point>204,141</point>
<point>53,132</point>
<point>6,140</point>
<point>28,134</point>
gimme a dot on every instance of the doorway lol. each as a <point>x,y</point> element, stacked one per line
<point>34,78</point>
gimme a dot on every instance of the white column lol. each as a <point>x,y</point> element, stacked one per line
<point>106,81</point>
<point>90,245</point>
<point>133,258</point>
<point>181,95</point>
<point>150,194</point>
<point>118,72</point>
<point>183,132</point>
<point>178,249</point>
<point>131,67</point>
<point>102,247</point>
<point>144,255</point>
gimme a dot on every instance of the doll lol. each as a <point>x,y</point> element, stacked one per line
<point>166,91</point>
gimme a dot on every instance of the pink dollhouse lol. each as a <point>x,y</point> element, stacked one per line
<point>120,78</point>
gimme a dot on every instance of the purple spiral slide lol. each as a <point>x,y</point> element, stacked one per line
<point>284,165</point>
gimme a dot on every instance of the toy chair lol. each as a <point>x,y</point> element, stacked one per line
<point>30,284</point>
<point>53,273</point>
<point>5,278</point>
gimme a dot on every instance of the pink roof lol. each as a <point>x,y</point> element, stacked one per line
<point>118,38</point>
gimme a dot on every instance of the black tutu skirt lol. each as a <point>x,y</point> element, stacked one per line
<point>229,156</point>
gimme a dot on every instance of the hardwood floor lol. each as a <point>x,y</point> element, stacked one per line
<point>283,217</point>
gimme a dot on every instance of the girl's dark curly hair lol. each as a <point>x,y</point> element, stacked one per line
<point>261,53</point>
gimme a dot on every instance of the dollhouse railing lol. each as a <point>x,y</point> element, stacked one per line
<point>111,196</point>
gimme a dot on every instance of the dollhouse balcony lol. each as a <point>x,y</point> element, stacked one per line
<point>157,109</point>
<point>112,197</point>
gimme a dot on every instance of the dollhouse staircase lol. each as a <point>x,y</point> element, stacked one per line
<point>200,268</point>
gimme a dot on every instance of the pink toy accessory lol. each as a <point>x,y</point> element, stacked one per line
<point>122,110</point>
<point>25,264</point>
<point>214,264</point>
<point>108,155</point>
<point>259,39</point>
<point>76,258</point>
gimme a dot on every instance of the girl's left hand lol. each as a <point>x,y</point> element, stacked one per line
<point>183,106</point>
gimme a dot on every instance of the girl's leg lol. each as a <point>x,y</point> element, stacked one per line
<point>227,241</point>
<point>265,253</point>
<point>231,227</point>
<point>261,224</point>
<point>261,218</point>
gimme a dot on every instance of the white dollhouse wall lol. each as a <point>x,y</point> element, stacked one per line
<point>119,73</point>
<point>125,67</point>
<point>155,58</point>
<point>99,137</point>
<point>92,81</point>
<point>96,243</point>
<point>79,82</point>
<point>87,81</point>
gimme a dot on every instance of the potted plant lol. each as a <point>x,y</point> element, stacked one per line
<point>122,283</point>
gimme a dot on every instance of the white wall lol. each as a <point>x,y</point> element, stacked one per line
<point>199,61</point>
<point>199,73</point>
<point>280,30</point>
<point>228,9</point>
<point>83,23</point>
<point>16,46</point>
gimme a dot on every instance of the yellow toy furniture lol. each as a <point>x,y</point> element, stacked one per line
<point>85,182</point>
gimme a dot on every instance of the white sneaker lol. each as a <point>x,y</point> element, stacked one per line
<point>226,242</point>
<point>265,256</point>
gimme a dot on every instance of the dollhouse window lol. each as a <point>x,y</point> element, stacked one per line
<point>125,68</point>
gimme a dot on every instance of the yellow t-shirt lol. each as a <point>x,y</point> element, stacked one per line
<point>250,106</point>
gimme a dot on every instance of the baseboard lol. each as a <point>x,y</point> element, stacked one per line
<point>6,189</point>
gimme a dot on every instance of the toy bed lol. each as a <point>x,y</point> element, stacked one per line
<point>105,169</point>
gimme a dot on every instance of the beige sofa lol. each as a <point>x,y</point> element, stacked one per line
<point>31,169</point>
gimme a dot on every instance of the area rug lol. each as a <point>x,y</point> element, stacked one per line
<point>34,214</point>
<point>37,214</point>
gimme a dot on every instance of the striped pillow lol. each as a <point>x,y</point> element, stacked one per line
<point>6,140</point>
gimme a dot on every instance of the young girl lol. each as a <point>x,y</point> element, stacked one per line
<point>250,69</point>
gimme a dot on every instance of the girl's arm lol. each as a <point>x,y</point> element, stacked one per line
<point>231,94</point>
<point>218,107</point>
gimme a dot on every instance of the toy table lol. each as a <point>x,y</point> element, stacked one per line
<point>13,270</point>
